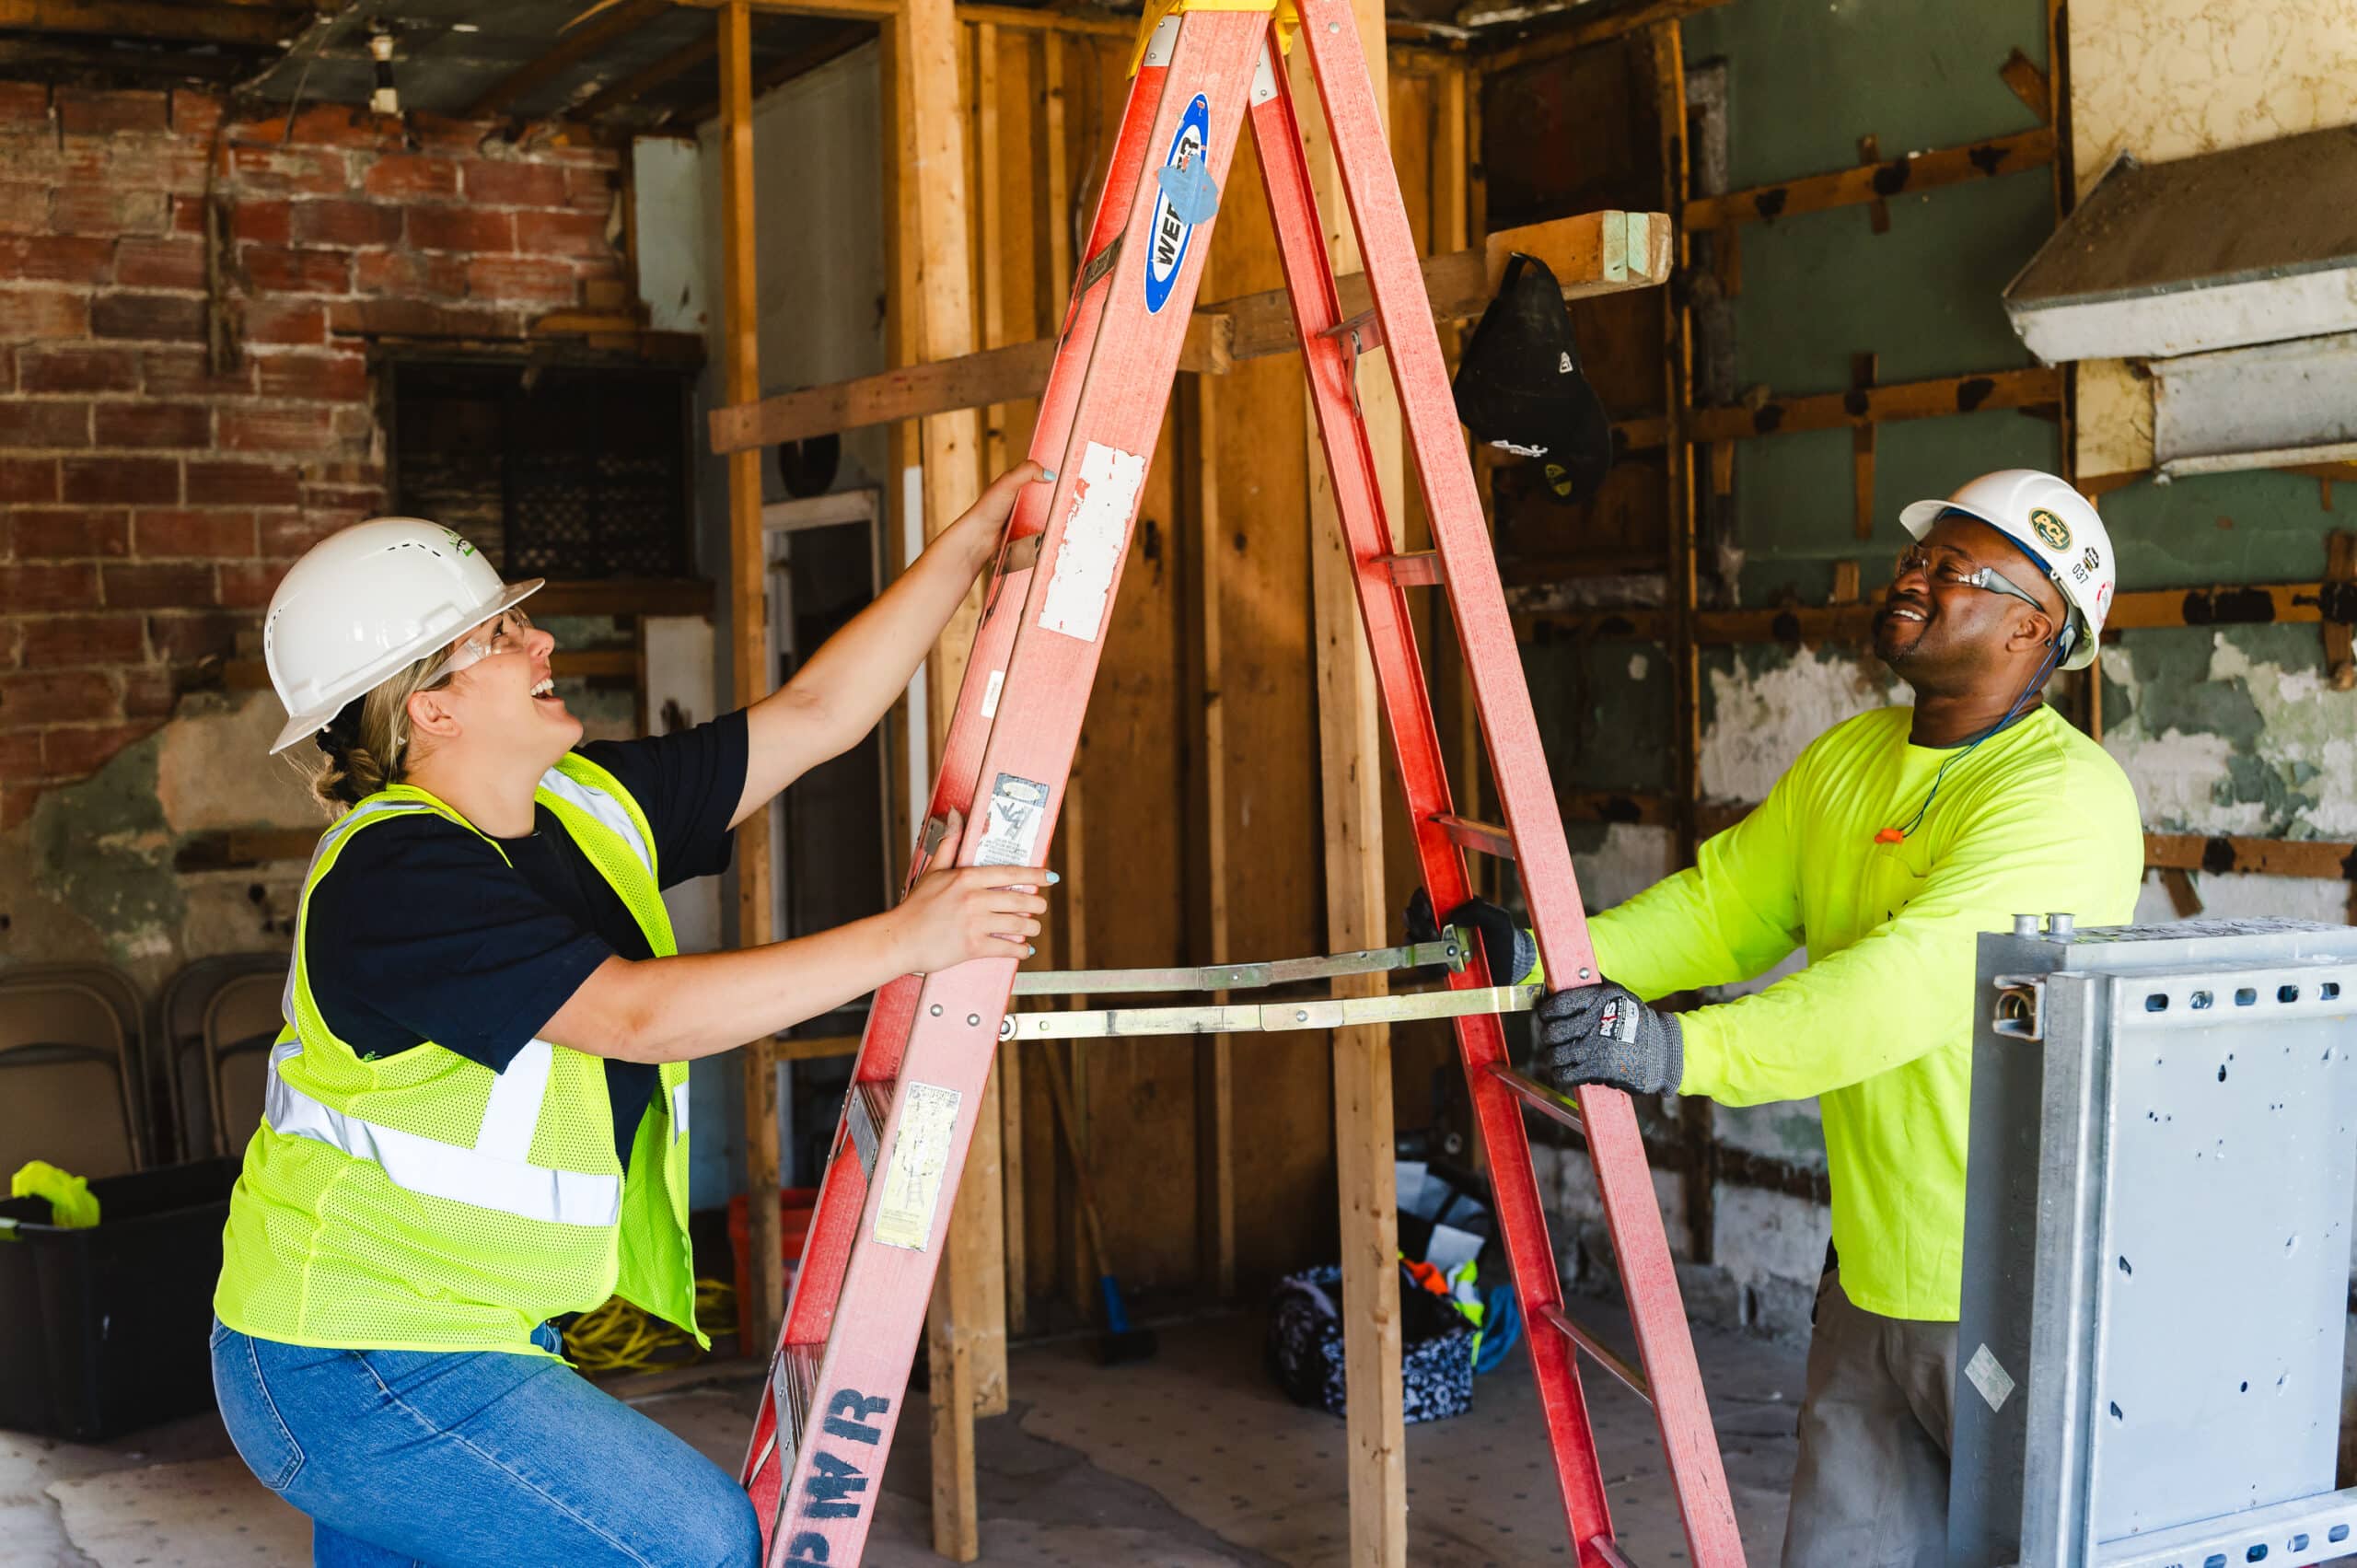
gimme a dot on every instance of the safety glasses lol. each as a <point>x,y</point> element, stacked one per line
<point>1953,571</point>
<point>505,634</point>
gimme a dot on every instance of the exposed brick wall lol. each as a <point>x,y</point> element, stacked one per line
<point>148,505</point>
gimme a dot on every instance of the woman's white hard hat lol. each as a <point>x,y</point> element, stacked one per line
<point>367,602</point>
<point>2060,529</point>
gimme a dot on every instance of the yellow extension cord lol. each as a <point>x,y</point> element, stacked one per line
<point>620,1337</point>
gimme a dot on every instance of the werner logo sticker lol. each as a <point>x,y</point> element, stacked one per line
<point>1185,196</point>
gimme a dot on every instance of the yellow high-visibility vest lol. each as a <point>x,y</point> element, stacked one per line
<point>422,1201</point>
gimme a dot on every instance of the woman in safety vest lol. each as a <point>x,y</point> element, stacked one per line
<point>476,1117</point>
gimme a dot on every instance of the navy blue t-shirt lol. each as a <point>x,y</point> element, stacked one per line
<point>421,932</point>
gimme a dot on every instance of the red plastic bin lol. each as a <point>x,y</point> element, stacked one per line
<point>795,1205</point>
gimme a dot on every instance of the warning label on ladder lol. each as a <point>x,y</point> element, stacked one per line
<point>920,1159</point>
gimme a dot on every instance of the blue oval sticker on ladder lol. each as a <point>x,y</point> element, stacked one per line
<point>1185,196</point>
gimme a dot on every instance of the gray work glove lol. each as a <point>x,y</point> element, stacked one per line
<point>1602,1034</point>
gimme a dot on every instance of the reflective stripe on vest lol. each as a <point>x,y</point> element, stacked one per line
<point>607,811</point>
<point>497,1172</point>
<point>484,1175</point>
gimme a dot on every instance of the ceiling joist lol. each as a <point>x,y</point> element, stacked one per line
<point>576,45</point>
<point>822,49</point>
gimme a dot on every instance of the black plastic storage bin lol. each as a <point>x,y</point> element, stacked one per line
<point>106,1329</point>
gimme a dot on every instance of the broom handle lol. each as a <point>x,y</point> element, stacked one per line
<point>1061,1093</point>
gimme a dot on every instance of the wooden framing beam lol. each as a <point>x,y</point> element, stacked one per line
<point>2290,604</point>
<point>2035,387</point>
<point>1358,907</point>
<point>252,26</point>
<point>2216,855</point>
<point>1592,254</point>
<point>639,82</point>
<point>1872,182</point>
<point>1423,45</point>
<point>748,648</point>
<point>966,1334</point>
<point>1579,35</point>
<point>822,49</point>
<point>576,45</point>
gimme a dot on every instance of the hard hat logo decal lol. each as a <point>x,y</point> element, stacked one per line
<point>2051,528</point>
<point>459,542</point>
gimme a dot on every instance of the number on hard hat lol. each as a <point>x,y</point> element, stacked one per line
<point>2059,528</point>
<point>365,603</point>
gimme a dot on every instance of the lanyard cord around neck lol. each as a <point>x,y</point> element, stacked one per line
<point>1899,835</point>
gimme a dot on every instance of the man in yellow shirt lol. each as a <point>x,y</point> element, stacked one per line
<point>1892,841</point>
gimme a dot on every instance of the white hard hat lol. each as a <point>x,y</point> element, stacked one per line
<point>2060,529</point>
<point>364,603</point>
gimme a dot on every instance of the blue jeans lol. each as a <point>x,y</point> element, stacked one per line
<point>456,1460</point>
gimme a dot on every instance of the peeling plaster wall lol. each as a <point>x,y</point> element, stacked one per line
<point>2171,78</point>
<point>92,874</point>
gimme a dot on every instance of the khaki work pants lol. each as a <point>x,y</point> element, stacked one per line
<point>1871,1488</point>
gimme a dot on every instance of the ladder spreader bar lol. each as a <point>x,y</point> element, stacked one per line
<point>1267,1017</point>
<point>1448,952</point>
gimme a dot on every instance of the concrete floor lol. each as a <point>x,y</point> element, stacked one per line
<point>1192,1460</point>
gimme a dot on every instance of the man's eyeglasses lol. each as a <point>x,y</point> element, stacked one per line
<point>1958,571</point>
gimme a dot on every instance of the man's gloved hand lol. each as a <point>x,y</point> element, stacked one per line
<point>1506,943</point>
<point>1602,1034</point>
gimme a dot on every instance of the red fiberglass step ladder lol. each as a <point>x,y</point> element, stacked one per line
<point>837,1382</point>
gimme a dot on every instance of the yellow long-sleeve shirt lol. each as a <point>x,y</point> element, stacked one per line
<point>1878,1026</point>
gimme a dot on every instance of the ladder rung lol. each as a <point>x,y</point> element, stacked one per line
<point>1413,568</point>
<point>1467,833</point>
<point>1538,1097</point>
<point>1597,1352</point>
<point>866,1110</point>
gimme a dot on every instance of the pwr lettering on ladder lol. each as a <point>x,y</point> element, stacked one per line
<point>837,1487</point>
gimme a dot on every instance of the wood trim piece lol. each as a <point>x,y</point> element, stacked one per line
<point>2035,387</point>
<point>1592,254</point>
<point>1870,182</point>
<point>2216,855</point>
<point>2290,604</point>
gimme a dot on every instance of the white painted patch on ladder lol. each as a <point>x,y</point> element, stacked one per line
<point>1992,1380</point>
<point>1105,497</point>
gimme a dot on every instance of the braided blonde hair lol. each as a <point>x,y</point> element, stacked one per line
<point>366,745</point>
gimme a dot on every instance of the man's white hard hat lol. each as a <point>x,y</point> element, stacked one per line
<point>2060,529</point>
<point>364,604</point>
